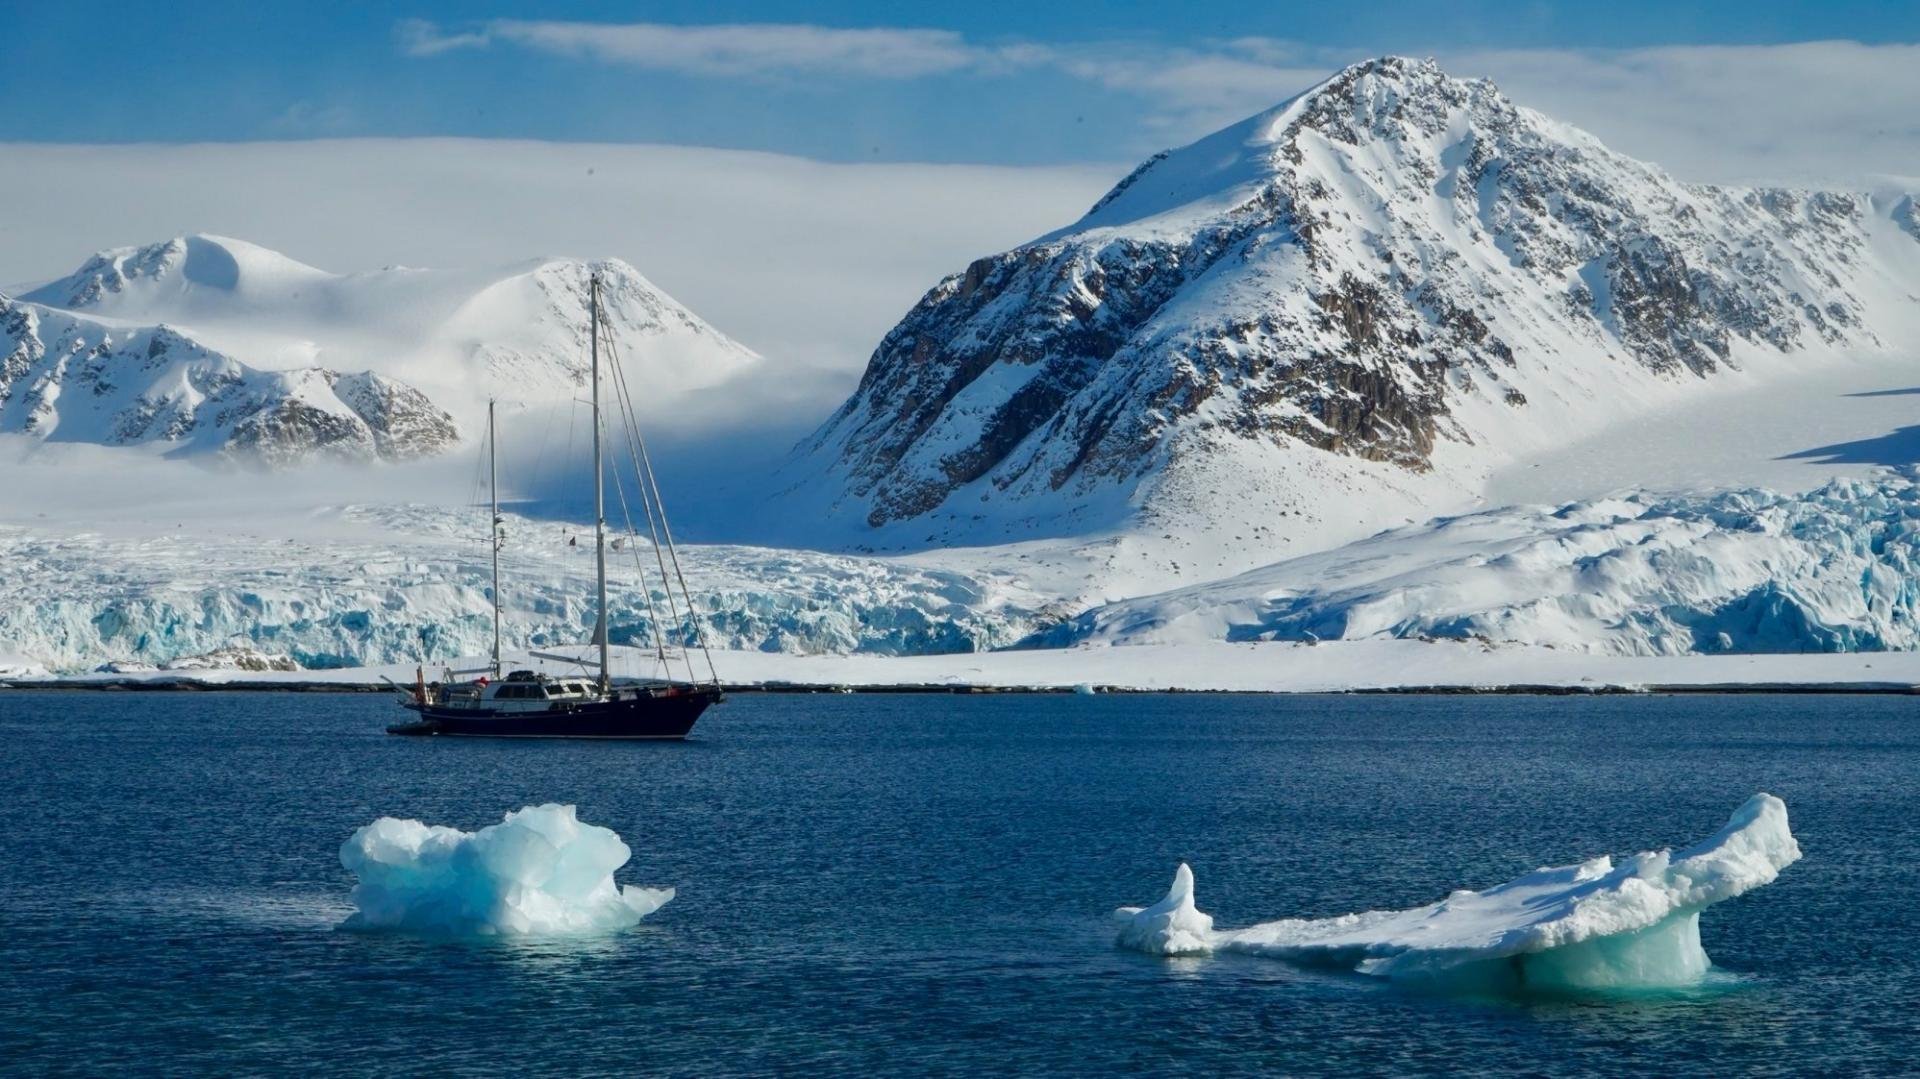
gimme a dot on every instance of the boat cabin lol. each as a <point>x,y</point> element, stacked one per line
<point>521,691</point>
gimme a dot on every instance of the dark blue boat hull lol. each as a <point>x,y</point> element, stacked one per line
<point>641,714</point>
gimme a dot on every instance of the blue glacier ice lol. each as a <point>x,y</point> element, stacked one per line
<point>1834,569</point>
<point>539,872</point>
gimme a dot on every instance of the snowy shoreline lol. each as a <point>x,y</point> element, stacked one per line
<point>1392,666</point>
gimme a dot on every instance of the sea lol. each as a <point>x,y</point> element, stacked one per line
<point>924,884</point>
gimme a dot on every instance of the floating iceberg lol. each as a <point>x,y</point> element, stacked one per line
<point>540,871</point>
<point>1588,926</point>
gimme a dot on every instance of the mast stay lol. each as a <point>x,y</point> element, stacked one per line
<point>599,492</point>
<point>496,533</point>
<point>660,532</point>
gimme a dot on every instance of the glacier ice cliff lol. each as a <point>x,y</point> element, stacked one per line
<point>1836,569</point>
<point>1594,925</point>
<point>404,584</point>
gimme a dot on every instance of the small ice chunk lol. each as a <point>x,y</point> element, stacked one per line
<point>539,871</point>
<point>1173,926</point>
<point>1586,926</point>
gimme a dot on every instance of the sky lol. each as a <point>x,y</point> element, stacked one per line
<point>1714,87</point>
<point>799,174</point>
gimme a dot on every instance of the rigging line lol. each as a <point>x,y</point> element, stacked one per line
<point>661,626</point>
<point>644,473</point>
<point>540,455</point>
<point>658,624</point>
<point>643,476</point>
<point>624,397</point>
<point>646,463</point>
<point>573,418</point>
<point>653,615</point>
<point>475,491</point>
<point>624,400</point>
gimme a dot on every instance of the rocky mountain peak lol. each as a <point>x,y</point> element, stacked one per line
<point>69,377</point>
<point>517,331</point>
<point>1390,264</point>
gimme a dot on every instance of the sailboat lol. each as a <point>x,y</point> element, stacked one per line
<point>531,704</point>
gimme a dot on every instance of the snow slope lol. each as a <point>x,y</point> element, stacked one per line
<point>518,332</point>
<point>1337,316</point>
<point>1593,925</point>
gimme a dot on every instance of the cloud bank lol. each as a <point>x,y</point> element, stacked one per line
<point>1831,112</point>
<point>725,49</point>
<point>808,263</point>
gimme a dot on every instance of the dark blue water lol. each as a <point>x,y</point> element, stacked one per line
<point>923,884</point>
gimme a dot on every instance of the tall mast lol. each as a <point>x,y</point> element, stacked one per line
<point>493,495</point>
<point>599,488</point>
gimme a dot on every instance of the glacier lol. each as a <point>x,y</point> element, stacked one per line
<point>540,871</point>
<point>1589,926</point>
<point>359,586</point>
<point>1748,570</point>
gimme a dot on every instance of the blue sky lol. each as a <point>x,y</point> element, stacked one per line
<point>991,81</point>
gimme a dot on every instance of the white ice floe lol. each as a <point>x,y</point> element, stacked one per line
<point>1594,925</point>
<point>541,871</point>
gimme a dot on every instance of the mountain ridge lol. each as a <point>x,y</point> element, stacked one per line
<point>429,347</point>
<point>67,377</point>
<point>1370,294</point>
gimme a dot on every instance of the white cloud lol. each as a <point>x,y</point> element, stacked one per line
<point>806,262</point>
<point>732,49</point>
<point>1829,112</point>
<point>1190,92</point>
<point>311,118</point>
<point>1818,112</point>
<point>418,37</point>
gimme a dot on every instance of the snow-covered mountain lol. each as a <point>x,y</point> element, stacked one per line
<point>1338,316</point>
<point>517,332</point>
<point>70,378</point>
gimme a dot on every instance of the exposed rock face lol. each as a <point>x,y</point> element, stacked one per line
<point>235,658</point>
<point>403,423</point>
<point>1351,273</point>
<point>66,377</point>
